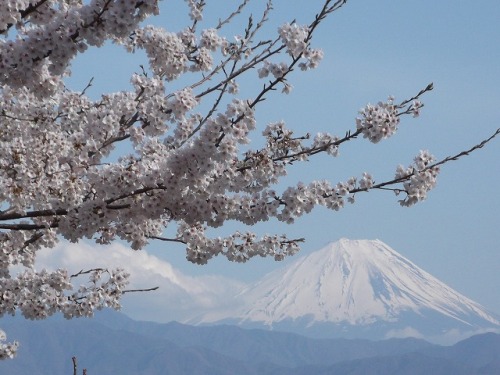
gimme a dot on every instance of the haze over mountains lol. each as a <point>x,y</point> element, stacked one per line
<point>352,289</point>
<point>345,293</point>
<point>113,344</point>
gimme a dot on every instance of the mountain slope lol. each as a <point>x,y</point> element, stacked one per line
<point>358,288</point>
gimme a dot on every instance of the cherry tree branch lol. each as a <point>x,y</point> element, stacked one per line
<point>140,290</point>
<point>406,177</point>
<point>165,239</point>
<point>228,19</point>
<point>466,152</point>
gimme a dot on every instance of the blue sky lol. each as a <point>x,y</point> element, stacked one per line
<point>374,49</point>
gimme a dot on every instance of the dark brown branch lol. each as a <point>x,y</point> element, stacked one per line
<point>140,290</point>
<point>315,150</point>
<point>429,87</point>
<point>167,239</point>
<point>82,272</point>
<point>87,87</point>
<point>326,10</point>
<point>292,241</point>
<point>23,226</point>
<point>232,15</point>
<point>39,213</point>
<point>35,237</point>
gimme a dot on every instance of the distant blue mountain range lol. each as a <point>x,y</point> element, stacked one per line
<point>112,343</point>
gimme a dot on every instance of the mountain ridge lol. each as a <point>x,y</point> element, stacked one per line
<point>113,344</point>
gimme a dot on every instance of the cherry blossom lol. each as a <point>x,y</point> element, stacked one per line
<point>378,121</point>
<point>423,178</point>
<point>188,127</point>
<point>7,350</point>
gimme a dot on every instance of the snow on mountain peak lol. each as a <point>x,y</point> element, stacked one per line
<point>355,282</point>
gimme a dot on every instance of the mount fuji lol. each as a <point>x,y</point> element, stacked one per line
<point>356,289</point>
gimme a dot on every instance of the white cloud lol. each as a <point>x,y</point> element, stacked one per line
<point>453,336</point>
<point>449,337</point>
<point>179,297</point>
<point>403,333</point>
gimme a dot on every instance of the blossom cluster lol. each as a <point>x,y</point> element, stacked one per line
<point>41,294</point>
<point>415,108</point>
<point>10,12</point>
<point>277,70</point>
<point>172,54</point>
<point>420,177</point>
<point>326,142</point>
<point>196,9</point>
<point>9,349</point>
<point>379,121</point>
<point>239,247</point>
<point>166,51</point>
<point>295,38</point>
<point>56,32</point>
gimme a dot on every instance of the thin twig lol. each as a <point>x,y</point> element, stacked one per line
<point>82,272</point>
<point>140,290</point>
<point>232,15</point>
<point>466,152</point>
<point>87,87</point>
<point>166,239</point>
<point>429,87</point>
<point>431,166</point>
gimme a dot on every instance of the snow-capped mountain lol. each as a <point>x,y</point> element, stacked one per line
<point>357,289</point>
